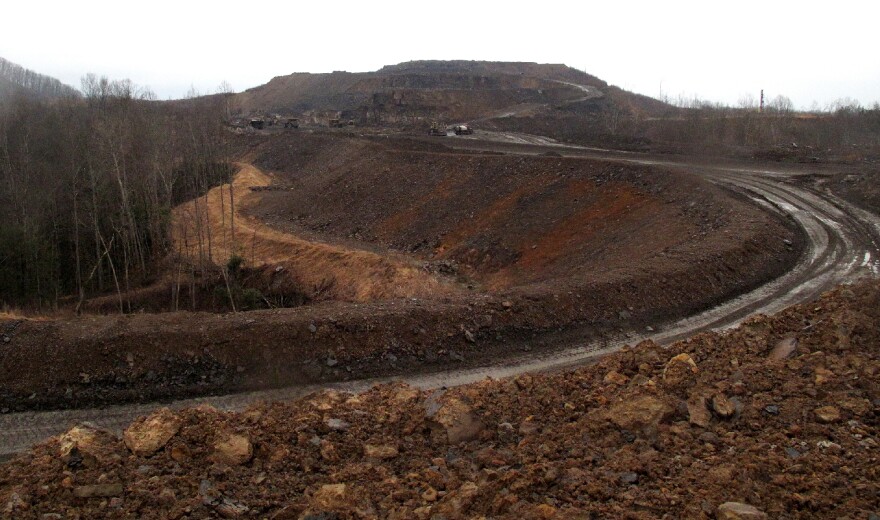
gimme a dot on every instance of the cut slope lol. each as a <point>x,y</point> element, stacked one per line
<point>332,271</point>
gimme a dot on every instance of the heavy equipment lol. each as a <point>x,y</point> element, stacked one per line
<point>436,130</point>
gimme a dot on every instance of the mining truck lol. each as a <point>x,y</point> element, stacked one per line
<point>462,130</point>
<point>436,130</point>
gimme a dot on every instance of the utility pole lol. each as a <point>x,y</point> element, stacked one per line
<point>761,109</point>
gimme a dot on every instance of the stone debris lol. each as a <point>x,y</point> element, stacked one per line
<point>380,451</point>
<point>827,414</point>
<point>723,407</point>
<point>233,449</point>
<point>98,490</point>
<point>739,438</point>
<point>152,433</point>
<point>453,421</point>
<point>739,511</point>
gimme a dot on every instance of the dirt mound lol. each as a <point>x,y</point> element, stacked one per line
<point>781,415</point>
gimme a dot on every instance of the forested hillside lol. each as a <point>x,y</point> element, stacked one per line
<point>17,79</point>
<point>87,185</point>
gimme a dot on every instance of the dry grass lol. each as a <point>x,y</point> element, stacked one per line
<point>341,273</point>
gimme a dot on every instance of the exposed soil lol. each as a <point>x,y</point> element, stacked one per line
<point>505,221</point>
<point>782,414</point>
<point>544,244</point>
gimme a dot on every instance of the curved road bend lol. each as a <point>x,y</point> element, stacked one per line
<point>843,244</point>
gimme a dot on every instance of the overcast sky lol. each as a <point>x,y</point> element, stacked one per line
<point>721,51</point>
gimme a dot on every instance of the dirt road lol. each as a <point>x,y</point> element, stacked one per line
<point>844,244</point>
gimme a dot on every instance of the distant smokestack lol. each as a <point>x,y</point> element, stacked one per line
<point>761,109</point>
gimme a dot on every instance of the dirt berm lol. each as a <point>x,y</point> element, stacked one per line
<point>532,245</point>
<point>779,418</point>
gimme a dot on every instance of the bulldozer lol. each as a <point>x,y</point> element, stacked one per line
<point>338,123</point>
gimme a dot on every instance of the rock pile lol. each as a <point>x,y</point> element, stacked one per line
<point>717,426</point>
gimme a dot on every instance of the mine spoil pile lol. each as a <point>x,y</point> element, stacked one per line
<point>776,419</point>
<point>432,259</point>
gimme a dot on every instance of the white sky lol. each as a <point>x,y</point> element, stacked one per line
<point>807,50</point>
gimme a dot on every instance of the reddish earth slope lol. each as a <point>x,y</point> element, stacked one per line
<point>509,221</point>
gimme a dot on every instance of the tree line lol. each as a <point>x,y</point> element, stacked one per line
<point>87,185</point>
<point>33,82</point>
<point>844,128</point>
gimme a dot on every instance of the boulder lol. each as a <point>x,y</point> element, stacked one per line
<point>88,442</point>
<point>615,378</point>
<point>639,413</point>
<point>452,421</point>
<point>380,451</point>
<point>148,435</point>
<point>330,497</point>
<point>98,490</point>
<point>723,407</point>
<point>784,348</point>
<point>698,411</point>
<point>827,414</point>
<point>336,424</point>
<point>232,449</point>
<point>679,370</point>
<point>456,503</point>
<point>739,511</point>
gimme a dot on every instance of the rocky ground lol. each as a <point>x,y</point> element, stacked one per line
<point>778,418</point>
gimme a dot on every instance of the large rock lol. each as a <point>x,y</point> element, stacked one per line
<point>723,407</point>
<point>639,413</point>
<point>827,414</point>
<point>456,503</point>
<point>739,511</point>
<point>232,449</point>
<point>149,434</point>
<point>452,420</point>
<point>784,348</point>
<point>98,490</point>
<point>615,378</point>
<point>380,451</point>
<point>89,443</point>
<point>330,497</point>
<point>698,411</point>
<point>679,370</point>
